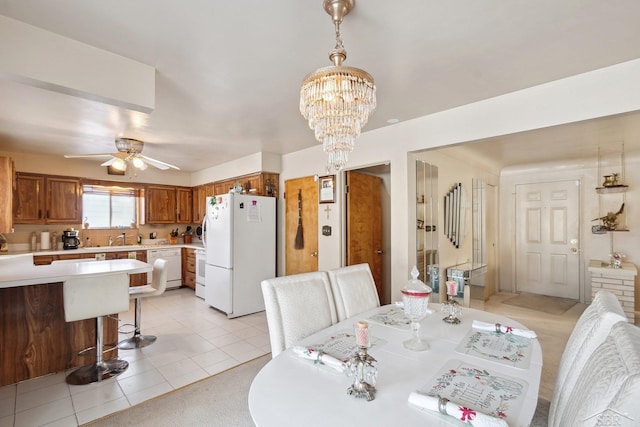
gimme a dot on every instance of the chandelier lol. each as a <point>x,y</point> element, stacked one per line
<point>337,100</point>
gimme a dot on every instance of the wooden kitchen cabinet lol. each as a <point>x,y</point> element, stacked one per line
<point>42,199</point>
<point>189,268</point>
<point>184,202</point>
<point>200,194</point>
<point>264,184</point>
<point>6,194</point>
<point>28,199</point>
<point>160,204</point>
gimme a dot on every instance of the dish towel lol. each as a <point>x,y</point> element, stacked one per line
<point>469,416</point>
<point>497,327</point>
<point>320,357</point>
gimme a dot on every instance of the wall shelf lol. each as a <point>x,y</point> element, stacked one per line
<point>612,189</point>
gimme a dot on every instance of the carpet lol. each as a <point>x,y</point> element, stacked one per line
<point>220,400</point>
<point>543,303</point>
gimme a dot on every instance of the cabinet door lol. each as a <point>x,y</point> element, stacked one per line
<point>63,200</point>
<point>6,195</point>
<point>161,205</point>
<point>28,199</point>
<point>196,194</point>
<point>185,205</point>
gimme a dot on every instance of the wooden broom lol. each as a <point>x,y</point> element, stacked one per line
<point>299,243</point>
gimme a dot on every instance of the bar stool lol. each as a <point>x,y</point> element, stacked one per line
<point>157,287</point>
<point>95,297</point>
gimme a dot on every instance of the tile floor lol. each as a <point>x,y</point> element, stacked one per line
<point>194,342</point>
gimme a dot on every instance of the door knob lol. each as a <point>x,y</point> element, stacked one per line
<point>314,253</point>
<point>379,252</point>
<point>574,250</point>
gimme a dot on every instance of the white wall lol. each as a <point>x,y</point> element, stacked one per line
<point>603,92</point>
<point>593,246</point>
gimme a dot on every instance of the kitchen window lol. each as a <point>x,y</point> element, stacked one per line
<point>110,206</point>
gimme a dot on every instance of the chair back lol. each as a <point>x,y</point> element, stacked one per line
<point>89,297</point>
<point>354,290</point>
<point>159,277</point>
<point>591,329</point>
<point>297,306</point>
<point>607,390</point>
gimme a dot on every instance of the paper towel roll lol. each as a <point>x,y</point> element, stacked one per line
<point>45,240</point>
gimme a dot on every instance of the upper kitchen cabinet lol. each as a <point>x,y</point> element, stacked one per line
<point>6,194</point>
<point>161,204</point>
<point>184,205</point>
<point>260,184</point>
<point>200,194</point>
<point>42,199</point>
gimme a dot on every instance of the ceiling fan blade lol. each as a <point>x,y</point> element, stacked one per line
<point>79,156</point>
<point>158,163</point>
<point>109,162</point>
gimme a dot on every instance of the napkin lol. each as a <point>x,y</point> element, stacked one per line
<point>471,417</point>
<point>494,327</point>
<point>320,357</point>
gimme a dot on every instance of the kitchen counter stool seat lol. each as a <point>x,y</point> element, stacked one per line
<point>157,287</point>
<point>95,297</point>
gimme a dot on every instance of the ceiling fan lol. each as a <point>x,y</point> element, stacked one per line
<point>129,151</point>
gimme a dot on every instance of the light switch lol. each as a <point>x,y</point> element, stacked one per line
<point>326,230</point>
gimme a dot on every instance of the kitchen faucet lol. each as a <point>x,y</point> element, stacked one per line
<point>123,236</point>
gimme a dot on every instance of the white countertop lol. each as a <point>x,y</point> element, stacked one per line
<point>17,271</point>
<point>98,249</point>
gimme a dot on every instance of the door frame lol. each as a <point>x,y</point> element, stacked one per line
<point>507,258</point>
<point>381,170</point>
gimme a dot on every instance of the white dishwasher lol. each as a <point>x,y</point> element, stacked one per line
<point>174,268</point>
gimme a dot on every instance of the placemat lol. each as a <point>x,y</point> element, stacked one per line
<point>508,349</point>
<point>342,345</point>
<point>479,389</point>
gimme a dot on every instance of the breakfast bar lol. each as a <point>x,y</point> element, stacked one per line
<point>35,339</point>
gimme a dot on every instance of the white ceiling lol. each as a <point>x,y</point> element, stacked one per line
<point>228,73</point>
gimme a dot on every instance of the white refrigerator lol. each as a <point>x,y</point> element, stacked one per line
<point>239,236</point>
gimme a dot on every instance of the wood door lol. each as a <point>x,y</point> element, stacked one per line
<point>364,223</point>
<point>547,239</point>
<point>305,259</point>
<point>6,195</point>
<point>28,199</point>
<point>63,200</point>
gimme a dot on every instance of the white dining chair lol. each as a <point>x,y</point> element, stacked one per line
<point>591,329</point>
<point>354,290</point>
<point>296,306</point>
<point>607,391</point>
<point>157,287</point>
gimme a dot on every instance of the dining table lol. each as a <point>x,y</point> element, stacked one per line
<point>492,371</point>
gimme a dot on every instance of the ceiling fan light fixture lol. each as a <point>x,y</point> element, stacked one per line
<point>337,100</point>
<point>119,164</point>
<point>139,163</point>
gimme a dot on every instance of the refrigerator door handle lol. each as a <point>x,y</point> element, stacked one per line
<point>204,231</point>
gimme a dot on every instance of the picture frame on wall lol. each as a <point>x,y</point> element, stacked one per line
<point>327,192</point>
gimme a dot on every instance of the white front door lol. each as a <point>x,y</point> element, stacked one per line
<point>547,238</point>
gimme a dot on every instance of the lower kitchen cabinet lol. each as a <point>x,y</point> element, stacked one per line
<point>189,268</point>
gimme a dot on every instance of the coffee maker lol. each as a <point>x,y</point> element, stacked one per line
<point>70,239</point>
